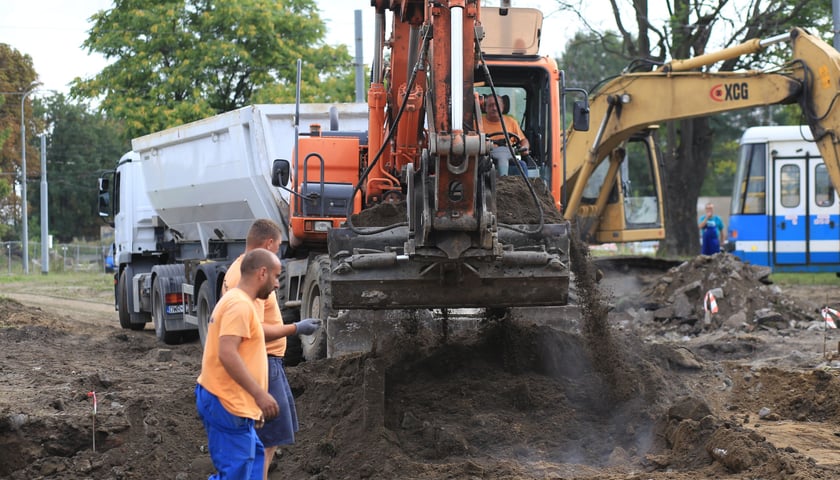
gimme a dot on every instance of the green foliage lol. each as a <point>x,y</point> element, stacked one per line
<point>721,170</point>
<point>80,144</point>
<point>176,61</point>
<point>590,58</point>
<point>16,75</point>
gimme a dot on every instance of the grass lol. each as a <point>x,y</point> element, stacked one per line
<point>805,279</point>
<point>98,286</point>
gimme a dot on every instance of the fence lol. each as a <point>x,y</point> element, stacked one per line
<point>62,258</point>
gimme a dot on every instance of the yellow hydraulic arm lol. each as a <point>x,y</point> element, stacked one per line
<point>632,102</point>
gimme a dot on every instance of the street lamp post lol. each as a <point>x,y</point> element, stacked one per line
<point>45,237</point>
<point>24,214</point>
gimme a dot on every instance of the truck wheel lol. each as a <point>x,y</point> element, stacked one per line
<point>317,303</point>
<point>294,352</point>
<point>204,306</point>
<point>159,314</point>
<point>122,304</point>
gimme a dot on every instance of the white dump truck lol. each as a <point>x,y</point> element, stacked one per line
<point>182,200</point>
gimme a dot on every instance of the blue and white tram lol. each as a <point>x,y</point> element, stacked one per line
<point>785,211</point>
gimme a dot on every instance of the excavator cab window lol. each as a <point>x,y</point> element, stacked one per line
<point>639,186</point>
<point>527,88</point>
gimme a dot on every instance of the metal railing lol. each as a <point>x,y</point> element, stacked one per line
<point>64,257</point>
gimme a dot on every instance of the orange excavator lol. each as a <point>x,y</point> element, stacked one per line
<point>427,156</point>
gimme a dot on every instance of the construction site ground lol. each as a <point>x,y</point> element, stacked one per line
<point>639,384</point>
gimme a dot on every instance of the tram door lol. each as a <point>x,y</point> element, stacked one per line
<point>824,221</point>
<point>805,213</point>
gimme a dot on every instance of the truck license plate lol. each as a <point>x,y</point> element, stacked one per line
<point>171,309</point>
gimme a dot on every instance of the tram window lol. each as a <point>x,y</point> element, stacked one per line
<point>789,183</point>
<point>823,191</point>
<point>750,186</point>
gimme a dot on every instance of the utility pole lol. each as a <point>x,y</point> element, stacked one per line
<point>359,63</point>
<point>835,13</point>
<point>24,207</point>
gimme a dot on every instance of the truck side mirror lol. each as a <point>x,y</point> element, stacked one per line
<point>580,116</point>
<point>104,204</point>
<point>280,173</point>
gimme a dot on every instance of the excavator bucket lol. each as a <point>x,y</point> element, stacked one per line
<point>371,271</point>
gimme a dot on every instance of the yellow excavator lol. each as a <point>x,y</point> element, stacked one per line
<point>627,106</point>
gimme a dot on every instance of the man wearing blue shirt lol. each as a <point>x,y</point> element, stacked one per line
<point>711,229</point>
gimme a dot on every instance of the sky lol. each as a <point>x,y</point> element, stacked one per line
<point>52,32</point>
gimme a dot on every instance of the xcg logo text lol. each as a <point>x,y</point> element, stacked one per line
<point>725,92</point>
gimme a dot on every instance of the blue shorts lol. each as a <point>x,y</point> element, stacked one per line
<point>235,448</point>
<point>281,429</point>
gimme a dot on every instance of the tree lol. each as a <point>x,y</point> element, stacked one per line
<point>590,58</point>
<point>177,61</point>
<point>16,76</point>
<point>80,144</point>
<point>692,28</point>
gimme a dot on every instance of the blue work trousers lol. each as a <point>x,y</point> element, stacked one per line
<point>235,448</point>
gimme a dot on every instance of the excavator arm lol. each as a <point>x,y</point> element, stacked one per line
<point>631,103</point>
<point>427,150</point>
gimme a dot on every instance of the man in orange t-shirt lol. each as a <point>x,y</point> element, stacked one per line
<point>280,430</point>
<point>492,122</point>
<point>232,390</point>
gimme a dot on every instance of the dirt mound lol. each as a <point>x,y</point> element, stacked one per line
<point>509,401</point>
<point>514,204</point>
<point>145,425</point>
<point>515,402</point>
<point>381,215</point>
<point>742,294</point>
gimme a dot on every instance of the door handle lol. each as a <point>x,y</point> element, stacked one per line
<point>782,225</point>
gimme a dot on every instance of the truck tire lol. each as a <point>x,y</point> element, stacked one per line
<point>294,351</point>
<point>205,303</point>
<point>317,303</point>
<point>159,314</point>
<point>122,304</point>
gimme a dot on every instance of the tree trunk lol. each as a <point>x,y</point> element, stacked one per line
<point>687,153</point>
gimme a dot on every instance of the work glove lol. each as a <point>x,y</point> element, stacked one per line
<point>307,326</point>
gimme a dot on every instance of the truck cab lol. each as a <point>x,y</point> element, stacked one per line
<point>123,200</point>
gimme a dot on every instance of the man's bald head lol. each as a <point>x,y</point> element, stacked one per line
<point>260,271</point>
<point>256,259</point>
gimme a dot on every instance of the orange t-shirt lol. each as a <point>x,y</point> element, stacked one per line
<point>235,314</point>
<point>269,310</point>
<point>511,125</point>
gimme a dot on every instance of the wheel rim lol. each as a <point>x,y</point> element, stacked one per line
<point>157,310</point>
<point>203,312</point>
<point>314,312</point>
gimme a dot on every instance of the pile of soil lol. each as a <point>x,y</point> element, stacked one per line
<point>514,205</point>
<point>742,293</point>
<point>610,398</point>
<point>381,215</point>
<point>145,423</point>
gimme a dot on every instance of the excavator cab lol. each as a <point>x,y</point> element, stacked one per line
<point>622,199</point>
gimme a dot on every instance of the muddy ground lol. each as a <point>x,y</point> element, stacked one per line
<point>751,392</point>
